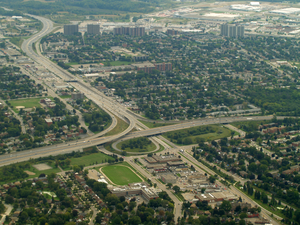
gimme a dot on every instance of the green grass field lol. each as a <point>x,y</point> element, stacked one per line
<point>250,125</point>
<point>149,148</point>
<point>27,103</point>
<point>65,96</point>
<point>153,125</point>
<point>217,133</point>
<point>87,160</point>
<point>120,174</point>
<point>117,63</point>
<point>120,127</point>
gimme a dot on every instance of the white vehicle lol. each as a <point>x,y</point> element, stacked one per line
<point>181,150</point>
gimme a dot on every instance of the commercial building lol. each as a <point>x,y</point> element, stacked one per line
<point>137,189</point>
<point>196,179</point>
<point>216,196</point>
<point>60,85</point>
<point>70,29</point>
<point>132,31</point>
<point>229,30</point>
<point>77,95</point>
<point>93,29</point>
<point>168,178</point>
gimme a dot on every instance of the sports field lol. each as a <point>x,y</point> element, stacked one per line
<point>27,103</point>
<point>120,174</point>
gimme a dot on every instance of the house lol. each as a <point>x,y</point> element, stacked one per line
<point>48,121</point>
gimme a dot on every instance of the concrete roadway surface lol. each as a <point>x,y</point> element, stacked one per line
<point>9,208</point>
<point>189,124</point>
<point>17,116</point>
<point>106,103</point>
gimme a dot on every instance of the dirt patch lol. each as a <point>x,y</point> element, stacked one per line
<point>29,173</point>
<point>42,166</point>
<point>20,107</point>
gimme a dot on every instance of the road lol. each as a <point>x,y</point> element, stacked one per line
<point>53,94</point>
<point>114,109</point>
<point>9,208</point>
<point>23,129</point>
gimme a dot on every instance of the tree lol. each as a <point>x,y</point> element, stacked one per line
<point>2,207</point>
<point>176,189</point>
<point>9,199</point>
<point>252,167</point>
<point>212,179</point>
<point>169,185</point>
<point>226,206</point>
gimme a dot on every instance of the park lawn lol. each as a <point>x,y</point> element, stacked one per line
<point>91,159</point>
<point>118,63</point>
<point>153,125</point>
<point>120,127</point>
<point>250,125</point>
<point>221,132</point>
<point>65,96</point>
<point>148,148</point>
<point>27,103</point>
<point>37,174</point>
<point>120,174</point>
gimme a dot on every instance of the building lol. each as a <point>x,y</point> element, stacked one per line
<point>132,31</point>
<point>163,66</point>
<point>70,29</point>
<point>232,30</point>
<point>93,29</point>
<point>168,178</point>
<point>196,179</point>
<point>148,67</point>
<point>60,85</point>
<point>77,95</point>
<point>216,197</point>
<point>137,189</point>
<point>48,121</point>
<point>172,32</point>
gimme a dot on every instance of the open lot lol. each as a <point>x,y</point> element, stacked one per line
<point>120,127</point>
<point>87,160</point>
<point>120,174</point>
<point>195,134</point>
<point>42,166</point>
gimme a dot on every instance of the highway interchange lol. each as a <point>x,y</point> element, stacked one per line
<point>113,109</point>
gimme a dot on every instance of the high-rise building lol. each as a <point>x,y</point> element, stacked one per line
<point>172,32</point>
<point>241,31</point>
<point>77,95</point>
<point>93,29</point>
<point>231,30</point>
<point>132,31</point>
<point>70,29</point>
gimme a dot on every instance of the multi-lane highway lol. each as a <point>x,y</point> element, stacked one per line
<point>111,107</point>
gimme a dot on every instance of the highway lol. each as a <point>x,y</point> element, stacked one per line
<point>114,109</point>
